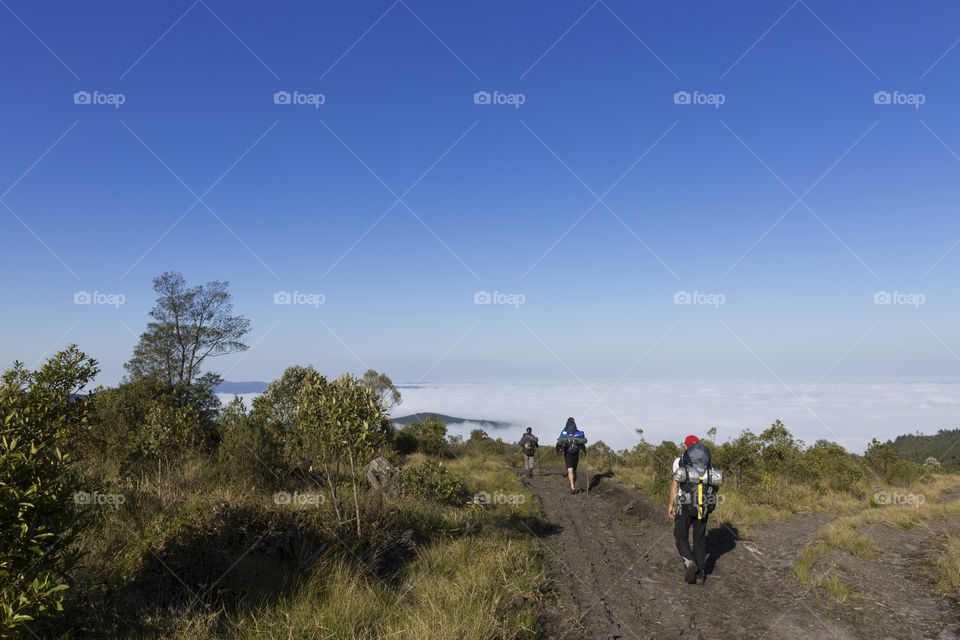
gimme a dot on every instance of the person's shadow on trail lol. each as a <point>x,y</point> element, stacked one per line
<point>597,477</point>
<point>720,540</point>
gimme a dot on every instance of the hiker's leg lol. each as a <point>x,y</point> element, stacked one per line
<point>571,476</point>
<point>700,543</point>
<point>681,533</point>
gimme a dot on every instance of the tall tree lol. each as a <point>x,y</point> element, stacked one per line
<point>383,387</point>
<point>189,325</point>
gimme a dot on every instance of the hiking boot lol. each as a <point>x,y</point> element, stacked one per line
<point>691,575</point>
<point>701,578</point>
<point>529,473</point>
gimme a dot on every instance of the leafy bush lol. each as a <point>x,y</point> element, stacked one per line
<point>427,437</point>
<point>827,465</point>
<point>663,456</point>
<point>38,410</point>
<point>432,480</point>
<point>340,423</point>
<point>275,414</point>
<point>246,445</point>
<point>884,461</point>
<point>152,419</point>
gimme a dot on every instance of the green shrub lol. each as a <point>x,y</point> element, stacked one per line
<point>433,481</point>
<point>428,437</point>
<point>274,412</point>
<point>827,465</point>
<point>663,456</point>
<point>246,445</point>
<point>151,419</point>
<point>38,410</point>
<point>340,425</point>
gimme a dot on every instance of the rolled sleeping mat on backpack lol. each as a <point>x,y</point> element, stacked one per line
<point>690,475</point>
<point>715,477</point>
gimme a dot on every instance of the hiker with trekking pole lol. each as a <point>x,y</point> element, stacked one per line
<point>572,442</point>
<point>529,444</point>
<point>693,497</point>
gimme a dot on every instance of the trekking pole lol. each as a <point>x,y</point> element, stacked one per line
<point>539,468</point>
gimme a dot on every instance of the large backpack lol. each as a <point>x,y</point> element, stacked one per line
<point>529,448</point>
<point>572,442</point>
<point>698,481</point>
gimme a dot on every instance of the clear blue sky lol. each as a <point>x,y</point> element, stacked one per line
<point>96,198</point>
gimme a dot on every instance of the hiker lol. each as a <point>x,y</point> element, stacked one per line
<point>529,444</point>
<point>572,443</point>
<point>693,496</point>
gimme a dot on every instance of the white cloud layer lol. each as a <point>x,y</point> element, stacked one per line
<point>850,412</point>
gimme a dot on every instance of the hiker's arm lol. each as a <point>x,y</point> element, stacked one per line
<point>672,510</point>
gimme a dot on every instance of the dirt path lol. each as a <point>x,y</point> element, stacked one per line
<point>615,552</point>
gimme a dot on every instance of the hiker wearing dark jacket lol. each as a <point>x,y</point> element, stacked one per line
<point>529,444</point>
<point>691,502</point>
<point>572,443</point>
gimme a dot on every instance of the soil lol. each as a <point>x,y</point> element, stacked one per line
<point>613,552</point>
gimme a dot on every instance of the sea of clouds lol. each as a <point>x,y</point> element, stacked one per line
<point>850,412</point>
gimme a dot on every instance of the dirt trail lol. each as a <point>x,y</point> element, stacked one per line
<point>614,550</point>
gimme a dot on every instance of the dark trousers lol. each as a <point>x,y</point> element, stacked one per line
<point>681,531</point>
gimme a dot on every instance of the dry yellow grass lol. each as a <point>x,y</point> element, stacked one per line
<point>946,566</point>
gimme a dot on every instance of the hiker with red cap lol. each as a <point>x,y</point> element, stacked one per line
<point>693,496</point>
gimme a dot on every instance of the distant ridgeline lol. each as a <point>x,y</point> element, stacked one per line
<point>943,445</point>
<point>448,420</point>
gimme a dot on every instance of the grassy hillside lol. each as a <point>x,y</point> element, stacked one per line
<point>150,511</point>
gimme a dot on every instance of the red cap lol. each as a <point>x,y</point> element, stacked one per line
<point>691,440</point>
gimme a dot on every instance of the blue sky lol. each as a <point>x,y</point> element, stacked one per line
<point>399,198</point>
